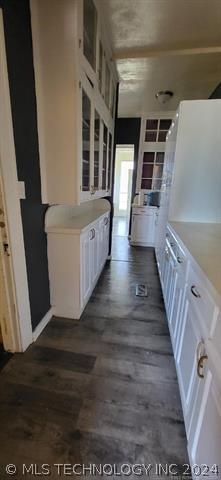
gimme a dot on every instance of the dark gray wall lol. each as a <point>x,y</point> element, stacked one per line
<point>128,133</point>
<point>16,14</point>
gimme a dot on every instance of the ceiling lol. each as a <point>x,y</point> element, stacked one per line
<point>163,45</point>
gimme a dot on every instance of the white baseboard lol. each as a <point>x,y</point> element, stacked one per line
<point>40,327</point>
<point>65,312</point>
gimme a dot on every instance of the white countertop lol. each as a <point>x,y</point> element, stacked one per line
<point>76,224</point>
<point>203,241</point>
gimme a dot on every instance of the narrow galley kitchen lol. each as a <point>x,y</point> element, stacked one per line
<point>110,230</point>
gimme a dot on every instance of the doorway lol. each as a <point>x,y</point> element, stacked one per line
<point>124,165</point>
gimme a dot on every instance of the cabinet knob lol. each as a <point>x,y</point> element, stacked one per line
<point>179,259</point>
<point>195,292</point>
<point>201,358</point>
<point>200,365</point>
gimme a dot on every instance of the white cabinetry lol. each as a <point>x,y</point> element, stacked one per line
<point>205,434</point>
<point>194,318</point>
<point>78,244</point>
<point>75,93</point>
<point>143,225</point>
<point>192,169</point>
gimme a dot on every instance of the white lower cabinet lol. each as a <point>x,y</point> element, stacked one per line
<point>87,265</point>
<point>194,320</point>
<point>76,260</point>
<point>186,356</point>
<point>204,443</point>
<point>143,226</point>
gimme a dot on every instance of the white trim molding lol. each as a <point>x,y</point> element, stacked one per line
<point>21,331</point>
<point>40,327</point>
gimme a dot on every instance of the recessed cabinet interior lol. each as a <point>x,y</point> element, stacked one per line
<point>86,129</point>
<point>75,109</point>
<point>96,169</point>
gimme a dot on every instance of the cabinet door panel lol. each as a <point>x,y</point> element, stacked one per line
<point>85,266</point>
<point>205,438</point>
<point>106,236</point>
<point>143,228</point>
<point>95,253</point>
<point>187,354</point>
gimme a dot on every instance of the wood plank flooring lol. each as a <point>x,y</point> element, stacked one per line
<point>99,390</point>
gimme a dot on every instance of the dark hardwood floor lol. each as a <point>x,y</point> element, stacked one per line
<point>99,390</point>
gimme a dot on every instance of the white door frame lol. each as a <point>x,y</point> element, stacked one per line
<point>20,335</point>
<point>117,211</point>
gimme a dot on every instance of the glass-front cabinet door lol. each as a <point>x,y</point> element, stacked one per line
<point>100,67</point>
<point>90,32</point>
<point>86,132</point>
<point>96,166</point>
<point>152,151</point>
<point>104,163</point>
<point>107,85</point>
<point>110,147</point>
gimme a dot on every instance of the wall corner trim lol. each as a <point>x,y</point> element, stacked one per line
<point>40,327</point>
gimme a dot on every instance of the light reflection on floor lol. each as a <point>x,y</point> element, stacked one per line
<point>120,226</point>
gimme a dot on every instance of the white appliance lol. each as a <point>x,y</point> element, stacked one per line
<point>144,221</point>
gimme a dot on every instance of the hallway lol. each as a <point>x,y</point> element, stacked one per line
<point>102,389</point>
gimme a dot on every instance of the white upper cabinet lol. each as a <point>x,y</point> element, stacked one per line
<point>154,128</point>
<point>75,94</point>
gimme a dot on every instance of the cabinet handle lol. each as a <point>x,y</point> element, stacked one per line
<point>194,292</point>
<point>106,221</point>
<point>179,259</point>
<point>92,235</point>
<point>200,365</point>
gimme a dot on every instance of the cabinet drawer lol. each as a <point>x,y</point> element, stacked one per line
<point>144,210</point>
<point>172,242</point>
<point>200,297</point>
